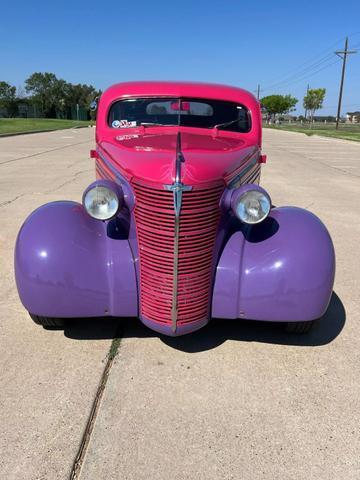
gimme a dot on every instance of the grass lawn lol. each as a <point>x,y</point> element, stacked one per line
<point>22,125</point>
<point>345,131</point>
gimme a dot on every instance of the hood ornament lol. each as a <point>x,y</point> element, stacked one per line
<point>177,188</point>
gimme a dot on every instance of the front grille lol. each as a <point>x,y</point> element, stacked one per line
<point>155,225</point>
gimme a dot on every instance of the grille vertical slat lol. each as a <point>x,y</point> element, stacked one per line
<point>155,220</point>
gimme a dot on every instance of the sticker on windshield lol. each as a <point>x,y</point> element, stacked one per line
<point>127,124</point>
<point>123,124</point>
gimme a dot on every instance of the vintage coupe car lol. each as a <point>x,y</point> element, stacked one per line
<point>176,229</point>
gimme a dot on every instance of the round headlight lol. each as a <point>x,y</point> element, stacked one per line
<point>252,206</point>
<point>101,202</point>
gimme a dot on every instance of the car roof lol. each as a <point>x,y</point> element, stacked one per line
<point>211,91</point>
<point>178,89</point>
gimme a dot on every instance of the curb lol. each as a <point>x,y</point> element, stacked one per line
<point>316,135</point>
<point>15,134</point>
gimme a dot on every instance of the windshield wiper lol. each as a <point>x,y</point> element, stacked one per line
<point>226,123</point>
<point>154,124</point>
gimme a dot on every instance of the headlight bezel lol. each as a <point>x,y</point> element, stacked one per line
<point>101,186</point>
<point>241,194</point>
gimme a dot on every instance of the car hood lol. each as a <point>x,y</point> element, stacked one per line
<point>151,156</point>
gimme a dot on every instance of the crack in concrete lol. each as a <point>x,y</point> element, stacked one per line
<point>80,457</point>
<point>71,180</point>
<point>45,151</point>
<point>75,175</point>
<point>8,202</point>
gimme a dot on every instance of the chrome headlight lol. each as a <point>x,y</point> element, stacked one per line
<point>101,201</point>
<point>252,205</point>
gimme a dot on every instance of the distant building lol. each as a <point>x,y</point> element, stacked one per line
<point>325,118</point>
<point>353,117</point>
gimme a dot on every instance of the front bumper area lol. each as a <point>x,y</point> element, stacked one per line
<point>181,329</point>
<point>68,266</point>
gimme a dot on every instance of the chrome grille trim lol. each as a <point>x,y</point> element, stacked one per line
<point>155,226</point>
<point>177,188</point>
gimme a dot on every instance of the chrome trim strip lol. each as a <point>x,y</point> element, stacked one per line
<point>109,165</point>
<point>237,177</point>
<point>177,188</point>
<point>174,306</point>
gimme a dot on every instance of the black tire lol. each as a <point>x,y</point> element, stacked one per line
<point>299,327</point>
<point>47,322</point>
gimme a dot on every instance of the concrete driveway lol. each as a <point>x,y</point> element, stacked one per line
<point>47,381</point>
<point>236,400</point>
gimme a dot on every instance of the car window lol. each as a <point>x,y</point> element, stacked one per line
<point>188,112</point>
<point>174,107</point>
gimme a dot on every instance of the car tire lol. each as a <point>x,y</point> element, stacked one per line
<point>47,322</point>
<point>299,327</point>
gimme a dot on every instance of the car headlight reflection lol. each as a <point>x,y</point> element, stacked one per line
<point>101,202</point>
<point>252,206</point>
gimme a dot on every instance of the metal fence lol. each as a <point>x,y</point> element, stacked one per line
<point>75,112</point>
<point>316,125</point>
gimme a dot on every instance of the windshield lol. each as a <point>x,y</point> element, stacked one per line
<point>188,112</point>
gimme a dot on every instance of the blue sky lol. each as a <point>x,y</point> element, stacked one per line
<point>281,44</point>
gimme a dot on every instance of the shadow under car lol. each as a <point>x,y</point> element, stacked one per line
<point>216,332</point>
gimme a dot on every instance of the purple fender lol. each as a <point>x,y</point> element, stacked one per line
<point>280,270</point>
<point>68,264</point>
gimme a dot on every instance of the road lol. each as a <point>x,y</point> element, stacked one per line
<point>234,400</point>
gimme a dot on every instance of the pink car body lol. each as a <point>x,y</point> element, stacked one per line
<point>175,254</point>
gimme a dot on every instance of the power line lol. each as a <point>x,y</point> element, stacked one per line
<point>309,64</point>
<point>343,55</point>
<point>301,72</point>
<point>306,76</point>
<point>314,64</point>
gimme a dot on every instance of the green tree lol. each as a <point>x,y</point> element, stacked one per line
<point>45,91</point>
<point>60,95</point>
<point>82,95</point>
<point>313,101</point>
<point>56,97</point>
<point>278,104</point>
<point>8,99</point>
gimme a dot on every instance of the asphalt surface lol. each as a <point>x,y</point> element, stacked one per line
<point>234,400</point>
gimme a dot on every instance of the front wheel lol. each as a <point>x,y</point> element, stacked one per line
<point>299,327</point>
<point>48,322</point>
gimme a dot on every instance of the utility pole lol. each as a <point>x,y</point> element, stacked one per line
<point>258,91</point>
<point>307,91</point>
<point>342,54</point>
